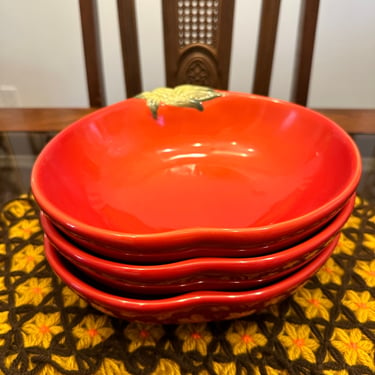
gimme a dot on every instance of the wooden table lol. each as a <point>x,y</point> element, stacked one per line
<point>55,119</point>
<point>327,327</point>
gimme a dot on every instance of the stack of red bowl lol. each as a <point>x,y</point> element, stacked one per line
<point>190,204</point>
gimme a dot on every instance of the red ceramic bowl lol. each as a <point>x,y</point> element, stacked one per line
<point>198,273</point>
<point>240,172</point>
<point>190,307</point>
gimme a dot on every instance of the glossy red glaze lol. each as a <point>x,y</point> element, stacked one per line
<point>245,171</point>
<point>190,307</point>
<point>198,273</point>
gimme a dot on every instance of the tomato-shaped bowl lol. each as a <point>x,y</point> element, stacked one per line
<point>179,173</point>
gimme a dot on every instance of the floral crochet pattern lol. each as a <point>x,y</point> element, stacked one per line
<point>299,342</point>
<point>327,327</point>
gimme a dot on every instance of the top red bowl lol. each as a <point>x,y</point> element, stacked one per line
<point>190,166</point>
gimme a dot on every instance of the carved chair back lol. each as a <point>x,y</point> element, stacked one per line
<point>197,45</point>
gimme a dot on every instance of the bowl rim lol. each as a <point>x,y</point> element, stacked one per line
<point>182,268</point>
<point>185,300</point>
<point>194,235</point>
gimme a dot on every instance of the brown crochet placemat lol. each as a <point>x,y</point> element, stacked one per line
<point>327,327</point>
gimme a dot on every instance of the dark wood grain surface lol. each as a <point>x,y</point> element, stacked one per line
<point>55,119</point>
<point>39,119</point>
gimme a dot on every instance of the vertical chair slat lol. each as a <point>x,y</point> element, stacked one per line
<point>266,46</point>
<point>129,46</point>
<point>305,50</point>
<point>91,45</point>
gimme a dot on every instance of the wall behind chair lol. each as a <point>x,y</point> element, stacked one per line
<point>41,51</point>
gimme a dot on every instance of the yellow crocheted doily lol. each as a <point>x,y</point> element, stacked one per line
<point>326,327</point>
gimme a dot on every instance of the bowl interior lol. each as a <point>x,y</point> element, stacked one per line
<point>243,161</point>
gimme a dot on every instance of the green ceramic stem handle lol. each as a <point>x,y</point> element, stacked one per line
<point>181,96</point>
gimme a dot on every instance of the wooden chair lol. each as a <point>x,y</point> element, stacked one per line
<point>198,40</point>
